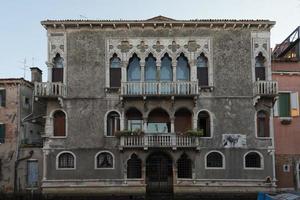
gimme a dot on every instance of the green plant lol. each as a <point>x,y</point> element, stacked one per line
<point>136,132</point>
<point>195,133</point>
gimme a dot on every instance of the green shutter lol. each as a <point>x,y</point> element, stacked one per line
<point>2,133</point>
<point>284,105</point>
<point>3,98</point>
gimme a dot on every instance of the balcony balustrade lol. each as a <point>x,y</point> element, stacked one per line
<point>159,141</point>
<point>159,88</point>
<point>49,89</point>
<point>265,88</point>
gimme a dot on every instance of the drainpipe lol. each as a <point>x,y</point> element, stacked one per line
<point>16,169</point>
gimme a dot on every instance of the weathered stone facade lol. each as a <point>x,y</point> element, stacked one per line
<point>230,97</point>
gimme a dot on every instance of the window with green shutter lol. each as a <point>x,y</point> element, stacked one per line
<point>284,105</point>
<point>2,97</point>
<point>2,133</point>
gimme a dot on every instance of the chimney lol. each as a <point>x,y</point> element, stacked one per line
<point>36,74</point>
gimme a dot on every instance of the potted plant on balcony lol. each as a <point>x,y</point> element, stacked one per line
<point>195,133</point>
<point>136,132</point>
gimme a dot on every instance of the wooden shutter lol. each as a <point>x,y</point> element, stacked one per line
<point>3,98</point>
<point>260,73</point>
<point>202,75</point>
<point>115,77</point>
<point>59,124</point>
<point>284,105</point>
<point>57,74</point>
<point>2,133</point>
<point>183,122</point>
<point>294,104</point>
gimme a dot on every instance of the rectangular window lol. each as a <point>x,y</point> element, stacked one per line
<point>32,173</point>
<point>2,97</point>
<point>2,133</point>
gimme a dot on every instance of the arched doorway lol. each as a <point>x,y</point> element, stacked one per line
<point>159,174</point>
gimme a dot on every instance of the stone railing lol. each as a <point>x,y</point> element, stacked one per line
<point>159,140</point>
<point>265,88</point>
<point>159,88</point>
<point>49,89</point>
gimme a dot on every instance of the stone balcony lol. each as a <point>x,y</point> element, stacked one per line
<point>49,89</point>
<point>265,89</point>
<point>159,141</point>
<point>157,88</point>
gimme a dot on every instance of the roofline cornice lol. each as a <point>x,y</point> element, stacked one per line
<point>209,23</point>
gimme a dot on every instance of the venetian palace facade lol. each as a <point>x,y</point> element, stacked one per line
<point>158,106</point>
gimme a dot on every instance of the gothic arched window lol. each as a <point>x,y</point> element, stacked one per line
<point>134,69</point>
<point>182,68</point>
<point>115,71</point>
<point>260,73</point>
<point>202,70</point>
<point>184,167</point>
<point>134,167</point>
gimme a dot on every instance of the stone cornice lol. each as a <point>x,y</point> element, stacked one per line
<point>161,23</point>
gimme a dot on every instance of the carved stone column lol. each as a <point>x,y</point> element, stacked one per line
<point>45,156</point>
<point>174,70</point>
<point>193,70</point>
<point>50,66</point>
<point>142,63</point>
<point>172,119</point>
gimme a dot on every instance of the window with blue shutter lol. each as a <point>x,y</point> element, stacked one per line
<point>32,173</point>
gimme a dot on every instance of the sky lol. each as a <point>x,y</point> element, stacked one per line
<point>23,38</point>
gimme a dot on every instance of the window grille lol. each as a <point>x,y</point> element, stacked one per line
<point>252,160</point>
<point>105,160</point>
<point>214,159</point>
<point>134,167</point>
<point>66,160</point>
<point>184,167</point>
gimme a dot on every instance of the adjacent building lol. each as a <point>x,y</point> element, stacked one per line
<point>286,70</point>
<point>158,106</point>
<point>20,135</point>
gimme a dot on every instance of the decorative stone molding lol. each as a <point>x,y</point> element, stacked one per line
<point>142,47</point>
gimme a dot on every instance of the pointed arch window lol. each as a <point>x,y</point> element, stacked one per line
<point>113,123</point>
<point>59,123</point>
<point>58,69</point>
<point>134,167</point>
<point>260,71</point>
<point>115,72</point>
<point>263,129</point>
<point>150,68</point>
<point>166,72</point>
<point>184,167</point>
<point>204,123</point>
<point>134,69</point>
<point>202,70</point>
<point>182,68</point>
